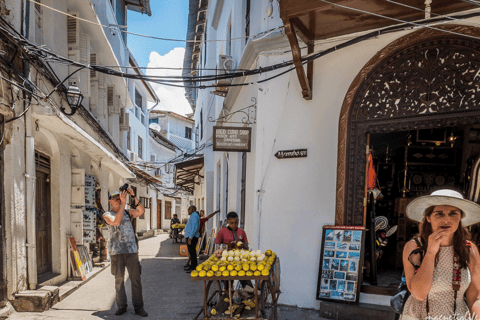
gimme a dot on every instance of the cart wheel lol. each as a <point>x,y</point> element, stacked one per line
<point>267,302</point>
<point>213,292</point>
<point>275,275</point>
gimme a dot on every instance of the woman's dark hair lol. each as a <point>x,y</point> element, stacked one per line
<point>232,214</point>
<point>459,238</point>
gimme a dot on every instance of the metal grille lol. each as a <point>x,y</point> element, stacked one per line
<point>42,161</point>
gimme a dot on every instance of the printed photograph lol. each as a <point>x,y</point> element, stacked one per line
<point>324,284</point>
<point>353,266</point>
<point>341,284</point>
<point>341,254</point>
<point>338,235</point>
<point>351,276</point>
<point>327,274</point>
<point>329,245</point>
<point>344,265</point>
<point>328,234</point>
<point>333,285</point>
<point>337,295</point>
<point>353,255</point>
<point>339,275</point>
<point>335,264</point>
<point>329,254</point>
<point>356,236</point>
<point>349,296</point>
<point>355,247</point>
<point>324,294</point>
<point>326,264</point>
<point>342,246</point>
<point>347,236</point>
<point>350,286</point>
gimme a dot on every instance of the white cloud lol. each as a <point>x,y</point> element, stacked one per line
<point>171,98</point>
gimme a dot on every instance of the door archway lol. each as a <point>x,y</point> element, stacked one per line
<point>426,79</point>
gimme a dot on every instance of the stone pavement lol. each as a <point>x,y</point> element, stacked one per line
<point>168,292</point>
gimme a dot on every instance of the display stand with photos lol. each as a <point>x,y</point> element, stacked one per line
<point>341,262</point>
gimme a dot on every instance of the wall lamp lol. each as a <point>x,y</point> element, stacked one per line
<point>74,95</point>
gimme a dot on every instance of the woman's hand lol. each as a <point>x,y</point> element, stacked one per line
<point>434,241</point>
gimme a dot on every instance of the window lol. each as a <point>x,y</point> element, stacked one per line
<point>153,158</point>
<point>153,120</point>
<point>129,133</point>
<point>143,118</point>
<point>229,39</point>
<point>188,133</point>
<point>247,20</point>
<point>196,137</point>
<point>138,99</point>
<point>201,124</point>
<point>38,23</point>
<point>205,51</point>
<point>140,147</point>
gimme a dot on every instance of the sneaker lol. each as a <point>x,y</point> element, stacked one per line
<point>120,311</point>
<point>141,312</point>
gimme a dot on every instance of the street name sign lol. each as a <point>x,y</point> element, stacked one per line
<point>233,139</point>
<point>288,154</point>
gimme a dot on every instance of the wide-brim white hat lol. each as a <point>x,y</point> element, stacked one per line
<point>471,210</point>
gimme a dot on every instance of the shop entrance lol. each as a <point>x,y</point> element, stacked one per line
<point>43,215</point>
<point>159,214</point>
<point>406,105</point>
<point>3,283</point>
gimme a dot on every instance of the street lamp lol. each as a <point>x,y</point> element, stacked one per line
<point>74,97</point>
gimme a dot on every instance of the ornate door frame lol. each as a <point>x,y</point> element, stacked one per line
<point>425,79</point>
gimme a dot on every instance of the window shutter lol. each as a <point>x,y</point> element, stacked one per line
<point>110,95</point>
<point>93,61</point>
<point>38,23</point>
<point>72,29</point>
<point>124,118</point>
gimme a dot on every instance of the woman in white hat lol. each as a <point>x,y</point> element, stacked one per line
<point>441,264</point>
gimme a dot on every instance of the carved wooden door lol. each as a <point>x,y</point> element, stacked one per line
<point>43,216</point>
<point>159,214</point>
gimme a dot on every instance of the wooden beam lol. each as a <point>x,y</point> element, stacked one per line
<point>297,60</point>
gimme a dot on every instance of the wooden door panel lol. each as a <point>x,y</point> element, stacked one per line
<point>168,210</point>
<point>43,224</point>
<point>159,214</point>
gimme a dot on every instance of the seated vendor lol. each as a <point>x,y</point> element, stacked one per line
<point>232,234</point>
<point>174,231</point>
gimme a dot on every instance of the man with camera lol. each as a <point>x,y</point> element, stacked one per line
<point>123,248</point>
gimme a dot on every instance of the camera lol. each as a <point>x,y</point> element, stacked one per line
<point>124,187</point>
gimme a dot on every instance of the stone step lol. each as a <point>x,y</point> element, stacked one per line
<point>341,311</point>
<point>36,300</point>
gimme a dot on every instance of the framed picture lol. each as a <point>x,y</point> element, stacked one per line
<point>341,258</point>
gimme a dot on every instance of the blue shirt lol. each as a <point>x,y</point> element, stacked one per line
<point>193,225</point>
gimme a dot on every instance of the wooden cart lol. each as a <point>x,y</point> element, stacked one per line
<point>265,304</point>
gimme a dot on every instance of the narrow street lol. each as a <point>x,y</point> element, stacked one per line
<point>168,292</point>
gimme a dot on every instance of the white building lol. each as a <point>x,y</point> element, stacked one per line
<point>353,96</point>
<point>176,128</point>
<point>48,151</point>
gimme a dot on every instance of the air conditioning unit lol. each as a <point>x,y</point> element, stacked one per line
<point>133,156</point>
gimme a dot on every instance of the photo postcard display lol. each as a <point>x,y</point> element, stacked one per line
<point>341,262</point>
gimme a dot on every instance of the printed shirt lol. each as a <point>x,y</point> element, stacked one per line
<point>225,236</point>
<point>174,221</point>
<point>193,226</point>
<point>122,238</point>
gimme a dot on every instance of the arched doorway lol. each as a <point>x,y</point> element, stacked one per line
<point>427,79</point>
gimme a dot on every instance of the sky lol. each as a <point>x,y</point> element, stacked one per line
<point>169,20</point>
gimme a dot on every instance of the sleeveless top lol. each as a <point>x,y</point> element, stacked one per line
<point>440,297</point>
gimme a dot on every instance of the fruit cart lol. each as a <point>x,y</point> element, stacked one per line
<point>180,235</point>
<point>218,293</point>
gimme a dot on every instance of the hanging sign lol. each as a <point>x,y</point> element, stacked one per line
<point>233,139</point>
<point>288,154</point>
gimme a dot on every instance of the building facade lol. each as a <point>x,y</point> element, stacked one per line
<point>53,147</point>
<point>336,88</point>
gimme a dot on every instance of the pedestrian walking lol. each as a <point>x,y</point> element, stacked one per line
<point>441,265</point>
<point>192,234</point>
<point>123,248</point>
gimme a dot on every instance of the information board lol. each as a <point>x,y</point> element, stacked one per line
<point>341,262</point>
<point>233,139</point>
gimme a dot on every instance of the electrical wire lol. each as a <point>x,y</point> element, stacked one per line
<point>263,34</point>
